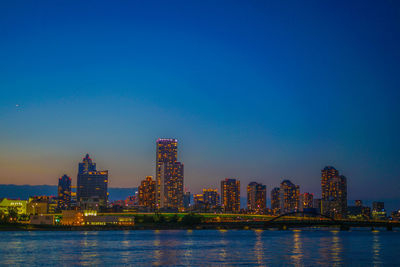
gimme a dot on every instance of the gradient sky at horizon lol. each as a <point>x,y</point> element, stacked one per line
<point>257,90</point>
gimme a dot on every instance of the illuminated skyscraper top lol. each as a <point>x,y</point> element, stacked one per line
<point>86,165</point>
<point>167,151</point>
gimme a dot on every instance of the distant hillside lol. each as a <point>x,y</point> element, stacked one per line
<point>25,191</point>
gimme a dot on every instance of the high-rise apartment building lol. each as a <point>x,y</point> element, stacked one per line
<point>256,197</point>
<point>334,193</point>
<point>169,175</point>
<point>92,185</point>
<point>289,197</point>
<point>230,195</point>
<point>64,193</point>
<point>211,197</point>
<point>147,193</point>
<point>275,202</point>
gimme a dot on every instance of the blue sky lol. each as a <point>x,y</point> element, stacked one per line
<point>257,90</point>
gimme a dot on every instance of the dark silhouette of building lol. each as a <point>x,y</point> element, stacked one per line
<point>275,202</point>
<point>306,201</point>
<point>334,193</point>
<point>147,193</point>
<point>186,200</point>
<point>92,186</point>
<point>256,198</point>
<point>230,195</point>
<point>64,193</point>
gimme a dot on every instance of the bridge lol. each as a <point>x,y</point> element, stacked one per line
<point>307,219</point>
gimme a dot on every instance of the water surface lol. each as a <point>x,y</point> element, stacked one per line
<point>201,247</point>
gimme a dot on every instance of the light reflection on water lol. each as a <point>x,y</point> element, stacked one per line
<point>200,247</point>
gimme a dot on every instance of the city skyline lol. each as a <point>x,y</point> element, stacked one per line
<point>248,93</point>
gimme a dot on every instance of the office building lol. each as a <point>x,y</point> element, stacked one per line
<point>64,193</point>
<point>92,188</point>
<point>230,195</point>
<point>256,198</point>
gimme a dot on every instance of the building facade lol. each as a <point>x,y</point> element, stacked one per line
<point>334,193</point>
<point>147,193</point>
<point>230,195</point>
<point>64,193</point>
<point>92,188</point>
<point>211,197</point>
<point>306,201</point>
<point>169,175</point>
<point>275,202</point>
<point>256,198</point>
<point>289,194</point>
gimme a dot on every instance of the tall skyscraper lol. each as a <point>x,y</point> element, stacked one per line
<point>230,195</point>
<point>147,193</point>
<point>289,197</point>
<point>275,202</point>
<point>92,185</point>
<point>169,175</point>
<point>334,193</point>
<point>211,197</point>
<point>256,197</point>
<point>64,193</point>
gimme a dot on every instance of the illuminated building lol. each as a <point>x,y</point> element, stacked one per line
<point>18,205</point>
<point>169,175</point>
<point>275,202</point>
<point>92,185</point>
<point>41,219</point>
<point>359,203</point>
<point>396,215</point>
<point>256,197</point>
<point>72,217</point>
<point>64,193</point>
<point>41,205</point>
<point>198,199</point>
<point>306,201</point>
<point>378,210</point>
<point>211,197</point>
<point>289,197</point>
<point>230,195</point>
<point>147,193</point>
<point>354,212</point>
<point>334,193</point>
